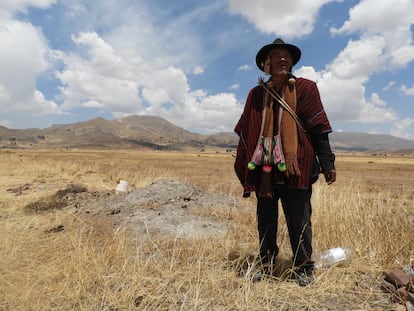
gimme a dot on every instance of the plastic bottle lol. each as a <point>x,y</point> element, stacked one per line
<point>122,186</point>
<point>338,256</point>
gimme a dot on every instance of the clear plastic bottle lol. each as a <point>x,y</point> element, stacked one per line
<point>338,256</point>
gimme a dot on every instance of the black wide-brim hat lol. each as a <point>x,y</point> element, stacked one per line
<point>264,51</point>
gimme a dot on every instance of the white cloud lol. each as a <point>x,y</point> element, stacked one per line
<point>134,65</point>
<point>378,16</point>
<point>141,59</point>
<point>359,59</point>
<point>11,6</point>
<point>92,104</point>
<point>103,76</point>
<point>117,80</point>
<point>343,99</point>
<point>244,68</point>
<point>402,128</point>
<point>390,20</point>
<point>389,86</point>
<point>308,72</point>
<point>75,9</point>
<point>407,90</point>
<point>137,29</point>
<point>377,101</point>
<point>23,57</point>
<point>341,83</point>
<point>384,44</point>
<point>139,67</point>
<point>210,113</point>
<point>289,19</point>
<point>43,106</point>
<point>198,70</point>
<point>4,95</point>
<point>371,112</point>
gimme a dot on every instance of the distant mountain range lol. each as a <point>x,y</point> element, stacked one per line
<point>150,132</point>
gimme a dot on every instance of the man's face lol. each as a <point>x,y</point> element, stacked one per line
<point>280,61</point>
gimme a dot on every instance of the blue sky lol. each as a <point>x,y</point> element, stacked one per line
<point>193,62</point>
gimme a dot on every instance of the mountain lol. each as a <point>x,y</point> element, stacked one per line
<point>351,141</point>
<point>125,133</point>
<point>151,132</point>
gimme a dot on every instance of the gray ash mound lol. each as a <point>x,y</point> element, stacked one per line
<point>163,207</point>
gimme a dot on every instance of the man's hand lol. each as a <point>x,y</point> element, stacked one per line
<point>330,176</point>
<point>292,166</point>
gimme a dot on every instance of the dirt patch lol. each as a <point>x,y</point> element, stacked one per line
<point>165,207</point>
<point>59,200</point>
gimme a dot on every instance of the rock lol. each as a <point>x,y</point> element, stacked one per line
<point>58,228</point>
<point>399,284</point>
<point>397,277</point>
<point>410,298</point>
<point>388,287</point>
<point>400,295</point>
<point>19,189</point>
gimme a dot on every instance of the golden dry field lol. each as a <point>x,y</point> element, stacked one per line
<point>62,260</point>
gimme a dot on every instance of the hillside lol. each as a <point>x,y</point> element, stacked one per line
<point>351,141</point>
<point>124,133</point>
<point>151,132</point>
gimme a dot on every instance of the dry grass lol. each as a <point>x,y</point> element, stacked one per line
<point>91,266</point>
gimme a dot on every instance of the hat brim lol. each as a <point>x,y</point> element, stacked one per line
<point>264,51</point>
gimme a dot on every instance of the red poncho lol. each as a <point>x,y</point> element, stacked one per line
<point>309,110</point>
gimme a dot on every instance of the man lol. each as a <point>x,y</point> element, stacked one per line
<point>282,131</point>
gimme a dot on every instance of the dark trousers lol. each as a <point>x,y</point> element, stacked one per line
<point>297,209</point>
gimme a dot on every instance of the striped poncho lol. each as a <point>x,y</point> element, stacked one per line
<point>309,110</point>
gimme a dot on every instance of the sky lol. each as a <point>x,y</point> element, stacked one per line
<point>193,62</point>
